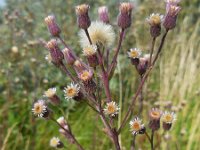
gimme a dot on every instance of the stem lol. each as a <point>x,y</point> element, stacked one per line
<point>160,47</point>
<point>120,100</point>
<point>104,77</point>
<point>88,36</point>
<point>152,49</point>
<point>141,99</point>
<point>133,143</point>
<point>147,135</point>
<point>71,135</point>
<point>152,135</point>
<point>114,60</point>
<point>142,83</point>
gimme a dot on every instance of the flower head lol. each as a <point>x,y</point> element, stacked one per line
<point>82,9</point>
<point>134,53</point>
<point>39,108</point>
<point>168,117</point>
<point>56,143</point>
<point>50,92</point>
<point>155,114</point>
<point>86,75</point>
<point>100,33</point>
<point>90,50</point>
<point>155,19</point>
<point>136,126</point>
<point>111,109</point>
<point>71,91</point>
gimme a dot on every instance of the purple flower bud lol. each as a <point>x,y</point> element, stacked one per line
<point>68,56</point>
<point>83,18</point>
<point>171,16</point>
<point>124,17</point>
<point>56,54</point>
<point>154,115</point>
<point>142,66</point>
<point>52,25</point>
<point>103,14</point>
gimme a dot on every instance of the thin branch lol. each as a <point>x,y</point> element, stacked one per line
<point>142,83</point>
<point>114,60</point>
<point>152,49</point>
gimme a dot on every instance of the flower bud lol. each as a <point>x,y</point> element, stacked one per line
<point>56,54</point>
<point>124,17</point>
<point>52,25</point>
<point>171,16</point>
<point>154,116</point>
<point>83,18</point>
<point>68,56</point>
<point>103,14</point>
<point>142,66</point>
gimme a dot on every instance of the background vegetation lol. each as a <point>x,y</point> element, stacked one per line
<point>25,74</point>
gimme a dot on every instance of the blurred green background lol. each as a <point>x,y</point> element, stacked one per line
<point>25,74</point>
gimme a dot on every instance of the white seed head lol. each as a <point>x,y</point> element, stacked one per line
<point>100,33</point>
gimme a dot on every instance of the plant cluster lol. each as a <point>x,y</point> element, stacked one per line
<point>91,75</point>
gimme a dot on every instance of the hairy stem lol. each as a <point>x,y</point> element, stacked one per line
<point>152,136</point>
<point>152,49</point>
<point>141,99</point>
<point>114,60</point>
<point>133,143</point>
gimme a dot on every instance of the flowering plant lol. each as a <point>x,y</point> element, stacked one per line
<point>91,78</point>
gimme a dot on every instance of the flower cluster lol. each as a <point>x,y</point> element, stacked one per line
<point>155,115</point>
